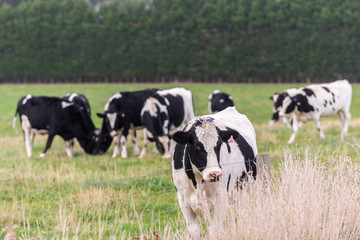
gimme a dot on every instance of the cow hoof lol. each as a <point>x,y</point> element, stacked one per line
<point>166,156</point>
<point>42,155</point>
<point>136,152</point>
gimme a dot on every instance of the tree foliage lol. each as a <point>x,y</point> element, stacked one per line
<point>163,40</point>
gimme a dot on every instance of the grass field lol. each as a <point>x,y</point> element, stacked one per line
<point>103,197</point>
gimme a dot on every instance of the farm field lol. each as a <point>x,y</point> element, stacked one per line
<point>101,197</point>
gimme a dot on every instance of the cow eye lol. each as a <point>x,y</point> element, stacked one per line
<point>198,148</point>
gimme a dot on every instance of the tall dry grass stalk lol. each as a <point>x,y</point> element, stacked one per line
<point>307,199</point>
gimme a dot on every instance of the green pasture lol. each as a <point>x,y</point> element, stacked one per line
<point>102,197</point>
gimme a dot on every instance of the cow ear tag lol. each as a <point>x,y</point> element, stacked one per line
<point>231,139</point>
<point>123,115</point>
<point>298,103</point>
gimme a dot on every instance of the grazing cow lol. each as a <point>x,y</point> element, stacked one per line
<point>163,114</point>
<point>319,100</point>
<point>54,116</point>
<point>218,101</point>
<point>212,148</point>
<point>278,99</point>
<point>122,113</point>
<point>84,105</point>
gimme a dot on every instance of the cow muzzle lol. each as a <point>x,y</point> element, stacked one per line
<point>215,176</point>
<point>113,133</point>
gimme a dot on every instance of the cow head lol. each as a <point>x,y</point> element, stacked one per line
<point>89,142</point>
<point>278,99</point>
<point>203,144</point>
<point>113,121</point>
<point>299,102</point>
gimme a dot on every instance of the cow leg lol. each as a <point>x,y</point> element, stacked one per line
<point>25,124</point>
<point>190,217</point>
<point>217,204</point>
<point>318,126</point>
<point>165,142</point>
<point>48,144</point>
<point>346,117</point>
<point>117,146</point>
<point>295,127</point>
<point>134,141</point>
<point>123,146</point>
<point>69,147</point>
<point>146,143</point>
<point>28,142</point>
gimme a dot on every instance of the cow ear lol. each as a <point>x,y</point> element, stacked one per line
<point>100,115</point>
<point>181,137</point>
<point>228,135</point>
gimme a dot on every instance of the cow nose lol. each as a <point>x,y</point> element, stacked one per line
<point>215,176</point>
<point>113,133</point>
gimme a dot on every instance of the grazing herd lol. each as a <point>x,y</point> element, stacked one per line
<point>297,106</point>
<point>209,153</point>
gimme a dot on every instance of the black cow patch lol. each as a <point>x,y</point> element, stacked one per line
<point>178,156</point>
<point>275,116</point>
<point>188,168</point>
<point>302,103</point>
<point>326,89</point>
<point>228,183</point>
<point>291,107</point>
<point>280,99</point>
<point>309,92</point>
<point>248,153</point>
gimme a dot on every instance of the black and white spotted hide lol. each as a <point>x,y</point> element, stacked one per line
<point>55,116</point>
<point>319,100</point>
<point>212,154</point>
<point>163,114</point>
<point>122,116</point>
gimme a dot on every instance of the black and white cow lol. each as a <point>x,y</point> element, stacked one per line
<point>212,148</point>
<point>163,114</point>
<point>122,114</point>
<point>319,100</point>
<point>278,99</point>
<point>55,116</point>
<point>82,102</point>
<point>218,101</point>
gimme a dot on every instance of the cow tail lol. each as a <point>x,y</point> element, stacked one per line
<point>14,120</point>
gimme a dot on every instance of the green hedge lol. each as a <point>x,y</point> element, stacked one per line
<point>166,40</point>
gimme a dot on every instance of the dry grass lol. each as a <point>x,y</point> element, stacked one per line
<point>307,199</point>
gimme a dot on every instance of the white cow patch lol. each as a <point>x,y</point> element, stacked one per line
<point>150,106</point>
<point>72,96</point>
<point>112,119</point>
<point>26,98</point>
<point>115,96</point>
<point>221,100</point>
<point>65,104</point>
<point>207,135</point>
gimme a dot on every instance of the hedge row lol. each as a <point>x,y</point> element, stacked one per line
<point>184,40</point>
